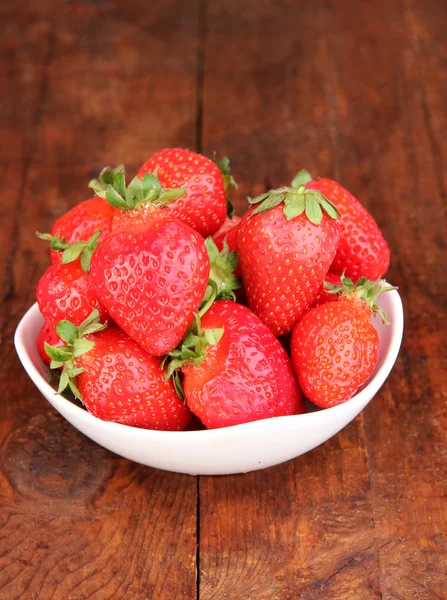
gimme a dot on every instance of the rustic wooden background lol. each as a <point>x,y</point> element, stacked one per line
<point>351,90</point>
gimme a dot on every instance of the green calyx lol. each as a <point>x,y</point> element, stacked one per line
<point>73,251</point>
<point>366,290</point>
<point>76,345</point>
<point>192,350</point>
<point>229,180</point>
<point>301,178</point>
<point>296,201</point>
<point>146,189</point>
<point>222,280</point>
<point>105,178</point>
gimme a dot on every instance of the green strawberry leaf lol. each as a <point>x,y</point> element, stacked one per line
<point>71,254</point>
<point>297,199</point>
<point>74,389</point>
<point>114,198</point>
<point>191,351</point>
<point>86,258</point>
<point>59,354</point>
<point>330,208</point>
<point>301,178</point>
<point>272,200</point>
<point>81,346</point>
<point>365,289</point>
<point>213,251</point>
<point>63,382</point>
<point>67,331</point>
<point>178,385</point>
<point>168,196</point>
<point>213,336</point>
<point>222,280</point>
<point>55,364</point>
<point>313,209</point>
<point>259,198</point>
<point>77,345</point>
<point>107,177</point>
<point>294,205</point>
<point>120,184</point>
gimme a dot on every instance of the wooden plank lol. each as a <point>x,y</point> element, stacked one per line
<point>96,83</point>
<point>353,91</point>
<point>409,486</point>
<point>396,152</point>
<point>304,529</point>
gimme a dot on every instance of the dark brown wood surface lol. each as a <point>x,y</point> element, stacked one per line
<point>351,90</point>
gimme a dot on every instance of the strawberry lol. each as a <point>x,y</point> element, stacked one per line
<point>87,217</point>
<point>324,295</point>
<point>115,378</point>
<point>362,250</point>
<point>151,273</point>
<point>334,346</point>
<point>286,245</point>
<point>235,370</point>
<point>47,335</point>
<point>227,232</point>
<point>63,292</point>
<point>203,206</point>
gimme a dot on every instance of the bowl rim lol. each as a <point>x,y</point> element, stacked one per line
<point>355,404</point>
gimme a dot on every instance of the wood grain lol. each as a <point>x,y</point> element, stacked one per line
<point>91,84</point>
<point>352,91</point>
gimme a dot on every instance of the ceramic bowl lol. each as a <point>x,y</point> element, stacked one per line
<point>236,449</point>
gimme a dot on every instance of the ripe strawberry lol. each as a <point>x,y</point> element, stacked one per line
<point>64,293</point>
<point>235,370</point>
<point>47,335</point>
<point>227,232</point>
<point>324,295</point>
<point>203,206</point>
<point>87,217</point>
<point>115,378</point>
<point>362,250</point>
<point>334,346</point>
<point>286,245</point>
<point>151,273</point>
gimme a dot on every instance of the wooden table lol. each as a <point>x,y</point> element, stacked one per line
<point>351,90</point>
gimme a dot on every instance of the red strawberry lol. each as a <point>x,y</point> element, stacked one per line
<point>324,295</point>
<point>82,221</point>
<point>151,273</point>
<point>115,378</point>
<point>236,371</point>
<point>64,293</point>
<point>87,217</point>
<point>286,245</point>
<point>228,228</point>
<point>203,207</point>
<point>334,346</point>
<point>362,250</point>
<point>47,335</point>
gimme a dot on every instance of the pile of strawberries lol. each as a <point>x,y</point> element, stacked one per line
<point>160,304</point>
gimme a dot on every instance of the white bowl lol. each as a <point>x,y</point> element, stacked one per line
<point>236,449</point>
